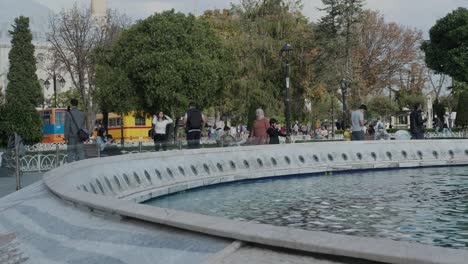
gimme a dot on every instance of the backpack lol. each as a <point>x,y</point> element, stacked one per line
<point>82,133</point>
<point>194,119</point>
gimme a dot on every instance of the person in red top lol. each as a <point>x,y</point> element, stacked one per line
<point>259,135</point>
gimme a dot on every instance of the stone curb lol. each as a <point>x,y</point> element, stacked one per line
<point>381,250</point>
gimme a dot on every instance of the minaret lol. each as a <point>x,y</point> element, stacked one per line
<point>99,9</point>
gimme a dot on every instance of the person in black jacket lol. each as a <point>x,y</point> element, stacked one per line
<point>273,132</point>
<point>194,121</point>
<point>74,121</point>
<point>417,123</point>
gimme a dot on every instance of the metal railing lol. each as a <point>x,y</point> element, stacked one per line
<point>44,157</point>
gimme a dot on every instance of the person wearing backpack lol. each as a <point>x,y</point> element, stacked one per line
<point>194,121</point>
<point>74,127</point>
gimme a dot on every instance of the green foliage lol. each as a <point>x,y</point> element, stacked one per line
<point>382,106</point>
<point>21,117</point>
<point>336,38</point>
<point>23,92</point>
<point>63,98</point>
<point>22,78</point>
<point>114,92</point>
<point>446,51</point>
<point>254,32</point>
<point>462,111</point>
<point>409,100</point>
<point>170,61</point>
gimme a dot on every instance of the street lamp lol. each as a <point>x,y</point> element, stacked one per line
<point>47,84</point>
<point>286,54</point>
<point>54,79</point>
<point>344,90</point>
<point>62,82</point>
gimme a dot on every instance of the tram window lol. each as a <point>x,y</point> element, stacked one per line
<point>45,115</point>
<point>114,122</point>
<point>140,121</point>
<point>59,117</point>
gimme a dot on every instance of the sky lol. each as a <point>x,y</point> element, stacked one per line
<point>421,14</point>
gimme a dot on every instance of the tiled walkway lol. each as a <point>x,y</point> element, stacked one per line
<point>36,227</point>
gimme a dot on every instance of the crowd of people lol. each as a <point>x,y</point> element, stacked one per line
<point>263,130</point>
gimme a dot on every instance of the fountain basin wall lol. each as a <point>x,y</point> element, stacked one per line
<point>115,184</point>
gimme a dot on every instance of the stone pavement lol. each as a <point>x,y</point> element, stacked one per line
<point>36,227</point>
<point>8,180</point>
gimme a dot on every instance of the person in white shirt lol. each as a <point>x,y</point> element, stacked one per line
<point>160,122</point>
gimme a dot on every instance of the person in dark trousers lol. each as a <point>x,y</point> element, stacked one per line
<point>358,123</point>
<point>74,121</point>
<point>274,133</point>
<point>438,124</point>
<point>160,124</point>
<point>417,122</point>
<point>194,121</point>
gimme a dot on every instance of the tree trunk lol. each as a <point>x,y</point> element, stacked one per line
<point>122,140</point>
<point>105,121</point>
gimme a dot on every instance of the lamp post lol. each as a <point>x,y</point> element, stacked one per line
<point>333,113</point>
<point>61,83</point>
<point>286,54</point>
<point>344,90</point>
<point>46,85</point>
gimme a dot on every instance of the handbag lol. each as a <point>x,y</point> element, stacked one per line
<point>82,134</point>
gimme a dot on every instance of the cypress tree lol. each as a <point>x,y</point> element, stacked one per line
<point>23,92</point>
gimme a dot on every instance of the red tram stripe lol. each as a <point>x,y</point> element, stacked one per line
<point>133,127</point>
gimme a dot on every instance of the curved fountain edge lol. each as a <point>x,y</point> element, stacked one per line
<point>60,181</point>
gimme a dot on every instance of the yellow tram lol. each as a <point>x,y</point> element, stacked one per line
<point>135,126</point>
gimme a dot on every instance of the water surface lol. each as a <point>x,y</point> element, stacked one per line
<point>429,206</point>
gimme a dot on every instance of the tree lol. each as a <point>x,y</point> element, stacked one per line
<point>112,93</point>
<point>63,98</point>
<point>337,38</point>
<point>74,36</point>
<point>382,106</point>
<point>437,82</point>
<point>23,92</point>
<point>446,51</point>
<point>408,99</point>
<point>388,56</point>
<point>254,32</point>
<point>462,111</point>
<point>170,61</point>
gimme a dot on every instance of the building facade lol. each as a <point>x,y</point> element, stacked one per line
<point>39,16</point>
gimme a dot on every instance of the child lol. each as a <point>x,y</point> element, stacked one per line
<point>274,133</point>
<point>226,139</point>
<point>347,134</point>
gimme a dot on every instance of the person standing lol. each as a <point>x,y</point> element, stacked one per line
<point>74,121</point>
<point>347,134</point>
<point>194,121</point>
<point>296,128</point>
<point>358,123</point>
<point>417,122</point>
<point>380,131</point>
<point>438,125</point>
<point>160,123</point>
<point>273,132</point>
<point>259,135</point>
